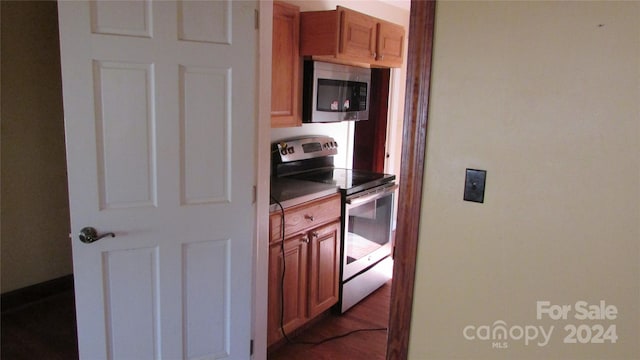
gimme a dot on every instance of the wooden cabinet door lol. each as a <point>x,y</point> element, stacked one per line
<point>293,287</point>
<point>346,36</point>
<point>324,269</point>
<point>311,264</point>
<point>390,46</point>
<point>286,90</point>
<point>357,36</point>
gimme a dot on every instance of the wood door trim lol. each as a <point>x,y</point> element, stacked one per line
<point>422,19</point>
<point>380,133</point>
<point>370,136</point>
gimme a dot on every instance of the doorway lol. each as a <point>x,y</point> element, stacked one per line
<point>420,35</point>
<point>370,137</point>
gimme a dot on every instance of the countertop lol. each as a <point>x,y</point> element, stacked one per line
<point>291,192</point>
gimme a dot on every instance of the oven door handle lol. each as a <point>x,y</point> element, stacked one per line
<point>373,195</point>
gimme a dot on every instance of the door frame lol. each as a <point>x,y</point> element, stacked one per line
<point>421,30</point>
<point>414,138</point>
<point>263,179</point>
<point>372,134</point>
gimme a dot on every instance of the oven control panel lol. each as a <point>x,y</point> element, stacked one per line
<point>305,148</point>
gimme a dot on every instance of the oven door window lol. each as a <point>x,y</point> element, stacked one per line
<point>341,96</point>
<point>368,228</point>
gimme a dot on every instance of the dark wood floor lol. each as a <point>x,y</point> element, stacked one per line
<point>371,313</point>
<point>47,330</point>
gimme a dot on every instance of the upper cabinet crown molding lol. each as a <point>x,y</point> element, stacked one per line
<point>347,36</point>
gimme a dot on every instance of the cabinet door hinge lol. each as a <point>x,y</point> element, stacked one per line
<point>255,194</point>
<point>251,347</point>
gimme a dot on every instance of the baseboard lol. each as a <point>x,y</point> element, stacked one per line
<point>29,294</point>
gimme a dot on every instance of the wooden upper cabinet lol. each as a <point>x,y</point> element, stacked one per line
<point>350,37</point>
<point>286,86</point>
<point>390,44</point>
<point>357,35</point>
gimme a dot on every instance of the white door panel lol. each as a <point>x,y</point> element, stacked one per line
<point>160,125</point>
<point>207,21</point>
<point>125,134</point>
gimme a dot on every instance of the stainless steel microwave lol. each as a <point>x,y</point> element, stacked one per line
<point>333,92</point>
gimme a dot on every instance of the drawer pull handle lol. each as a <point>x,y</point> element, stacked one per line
<point>309,217</point>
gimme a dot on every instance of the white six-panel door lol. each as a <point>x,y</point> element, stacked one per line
<point>159,101</point>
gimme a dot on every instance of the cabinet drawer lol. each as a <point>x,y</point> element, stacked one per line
<point>304,216</point>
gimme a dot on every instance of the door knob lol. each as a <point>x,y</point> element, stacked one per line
<point>88,235</point>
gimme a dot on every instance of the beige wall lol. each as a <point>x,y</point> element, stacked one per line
<point>546,97</point>
<point>35,211</point>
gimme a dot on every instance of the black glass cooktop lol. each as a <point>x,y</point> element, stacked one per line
<point>349,181</point>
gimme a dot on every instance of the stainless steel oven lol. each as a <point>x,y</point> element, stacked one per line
<point>367,211</point>
<point>367,242</point>
<point>367,229</point>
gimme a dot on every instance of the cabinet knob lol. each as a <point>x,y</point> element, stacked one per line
<point>305,239</point>
<point>373,55</point>
<point>314,234</point>
<point>381,57</point>
<point>309,217</point>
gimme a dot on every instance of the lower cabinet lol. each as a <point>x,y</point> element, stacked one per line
<point>324,268</point>
<point>310,262</point>
<point>293,287</point>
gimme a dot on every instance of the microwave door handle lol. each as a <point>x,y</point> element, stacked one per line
<point>375,195</point>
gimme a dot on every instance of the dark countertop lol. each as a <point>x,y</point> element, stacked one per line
<point>291,192</point>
